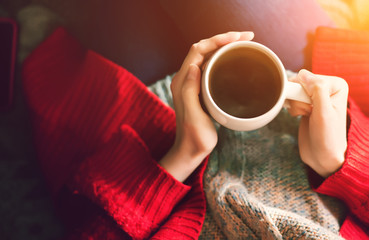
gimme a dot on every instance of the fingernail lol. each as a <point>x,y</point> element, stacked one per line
<point>251,35</point>
<point>237,35</point>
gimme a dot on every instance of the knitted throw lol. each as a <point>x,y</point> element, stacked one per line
<point>257,188</point>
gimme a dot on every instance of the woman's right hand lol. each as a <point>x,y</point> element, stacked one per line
<point>195,135</point>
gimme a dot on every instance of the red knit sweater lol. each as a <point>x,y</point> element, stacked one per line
<point>345,53</point>
<point>99,134</point>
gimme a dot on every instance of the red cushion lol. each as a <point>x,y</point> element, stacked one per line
<point>344,53</point>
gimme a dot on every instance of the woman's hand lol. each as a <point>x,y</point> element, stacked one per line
<point>195,136</point>
<point>322,132</point>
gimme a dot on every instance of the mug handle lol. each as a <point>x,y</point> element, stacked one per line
<point>294,91</point>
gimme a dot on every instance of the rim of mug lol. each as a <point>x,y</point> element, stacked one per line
<point>275,58</point>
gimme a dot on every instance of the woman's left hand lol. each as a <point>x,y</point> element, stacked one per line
<point>322,132</point>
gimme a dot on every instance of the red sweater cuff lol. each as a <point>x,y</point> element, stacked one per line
<point>125,180</point>
<point>350,183</point>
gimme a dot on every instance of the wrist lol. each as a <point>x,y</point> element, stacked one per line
<point>329,167</point>
<point>180,161</point>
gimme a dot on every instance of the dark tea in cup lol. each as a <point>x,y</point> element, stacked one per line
<point>245,82</point>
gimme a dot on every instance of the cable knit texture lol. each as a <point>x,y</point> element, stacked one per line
<point>257,188</point>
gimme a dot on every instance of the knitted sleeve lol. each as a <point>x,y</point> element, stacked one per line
<point>133,189</point>
<point>99,130</point>
<point>351,182</point>
<point>344,53</point>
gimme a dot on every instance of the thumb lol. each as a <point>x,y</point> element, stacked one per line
<point>317,88</point>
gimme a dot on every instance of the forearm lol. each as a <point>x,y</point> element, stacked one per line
<point>351,182</point>
<point>180,162</point>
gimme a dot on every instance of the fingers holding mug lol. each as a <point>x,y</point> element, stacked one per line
<point>200,51</point>
<point>326,92</point>
<point>297,108</point>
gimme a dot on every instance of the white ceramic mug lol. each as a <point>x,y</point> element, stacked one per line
<point>289,90</point>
